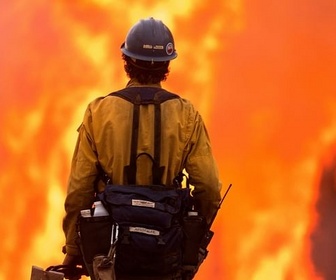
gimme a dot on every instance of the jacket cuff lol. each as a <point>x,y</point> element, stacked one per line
<point>71,250</point>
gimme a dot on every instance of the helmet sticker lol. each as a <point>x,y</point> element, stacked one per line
<point>146,46</point>
<point>158,47</point>
<point>169,48</point>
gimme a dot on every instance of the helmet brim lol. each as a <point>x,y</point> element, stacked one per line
<point>147,57</point>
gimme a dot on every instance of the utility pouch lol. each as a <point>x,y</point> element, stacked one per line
<point>94,236</point>
<point>194,228</point>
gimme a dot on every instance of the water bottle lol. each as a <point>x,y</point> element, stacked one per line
<point>99,210</point>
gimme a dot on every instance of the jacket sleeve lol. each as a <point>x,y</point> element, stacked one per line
<point>80,192</point>
<point>202,170</point>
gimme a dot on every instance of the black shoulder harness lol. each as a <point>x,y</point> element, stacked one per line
<point>141,96</point>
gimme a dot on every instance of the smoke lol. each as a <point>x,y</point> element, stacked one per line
<point>323,235</point>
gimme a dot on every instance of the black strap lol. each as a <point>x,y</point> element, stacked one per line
<point>157,170</point>
<point>141,96</point>
<point>130,170</point>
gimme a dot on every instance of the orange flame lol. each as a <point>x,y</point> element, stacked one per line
<point>262,77</point>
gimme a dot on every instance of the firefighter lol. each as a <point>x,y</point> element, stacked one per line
<point>104,135</point>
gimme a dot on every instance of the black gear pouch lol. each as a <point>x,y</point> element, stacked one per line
<point>194,228</point>
<point>94,236</point>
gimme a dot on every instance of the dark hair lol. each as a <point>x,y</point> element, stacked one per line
<point>146,72</point>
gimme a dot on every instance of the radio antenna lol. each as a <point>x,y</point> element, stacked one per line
<point>219,206</point>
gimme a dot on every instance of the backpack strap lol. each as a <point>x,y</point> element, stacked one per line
<point>142,96</point>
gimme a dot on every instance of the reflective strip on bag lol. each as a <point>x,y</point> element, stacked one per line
<point>144,230</point>
<point>143,203</point>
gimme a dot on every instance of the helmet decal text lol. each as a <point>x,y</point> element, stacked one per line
<point>151,47</point>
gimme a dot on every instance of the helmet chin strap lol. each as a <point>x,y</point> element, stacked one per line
<point>134,60</point>
<point>134,63</point>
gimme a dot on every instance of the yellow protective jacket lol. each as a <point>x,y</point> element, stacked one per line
<point>105,138</point>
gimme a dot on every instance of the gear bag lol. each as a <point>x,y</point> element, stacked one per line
<point>150,237</point>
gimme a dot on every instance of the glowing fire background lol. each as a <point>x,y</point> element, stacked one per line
<point>262,73</point>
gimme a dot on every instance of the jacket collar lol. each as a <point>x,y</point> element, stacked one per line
<point>135,83</point>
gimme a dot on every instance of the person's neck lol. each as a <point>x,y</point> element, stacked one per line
<point>135,83</point>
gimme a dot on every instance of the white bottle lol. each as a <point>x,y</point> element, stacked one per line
<point>86,213</point>
<point>99,209</point>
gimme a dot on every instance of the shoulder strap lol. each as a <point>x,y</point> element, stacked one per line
<point>140,96</point>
